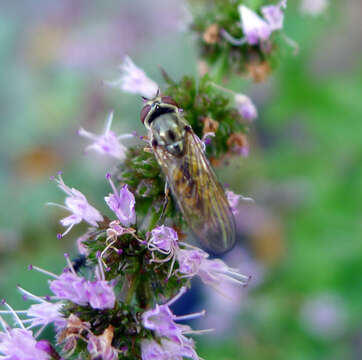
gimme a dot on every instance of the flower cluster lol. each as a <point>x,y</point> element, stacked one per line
<point>236,38</point>
<point>113,299</point>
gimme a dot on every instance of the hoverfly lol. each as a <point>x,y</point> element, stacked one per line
<point>192,180</point>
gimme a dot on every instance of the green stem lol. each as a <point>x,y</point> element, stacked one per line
<point>134,283</point>
<point>154,220</point>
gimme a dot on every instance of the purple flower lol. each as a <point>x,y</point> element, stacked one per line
<point>257,29</point>
<point>245,107</point>
<point>190,261</point>
<point>314,7</point>
<point>115,229</point>
<point>100,347</point>
<point>212,272</point>
<point>68,286</point>
<point>162,321</point>
<point>134,80</point>
<point>254,27</point>
<point>274,15</point>
<point>108,142</point>
<point>43,313</point>
<point>152,350</point>
<point>234,201</point>
<point>46,313</point>
<point>178,350</point>
<point>168,349</point>
<point>100,294</point>
<point>78,205</point>
<point>163,238</point>
<point>122,203</point>
<point>19,344</point>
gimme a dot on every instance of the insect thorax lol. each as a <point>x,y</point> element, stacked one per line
<point>168,130</point>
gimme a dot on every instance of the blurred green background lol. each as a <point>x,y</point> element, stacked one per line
<point>303,236</point>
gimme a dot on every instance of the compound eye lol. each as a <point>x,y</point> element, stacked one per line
<point>144,112</point>
<point>169,100</point>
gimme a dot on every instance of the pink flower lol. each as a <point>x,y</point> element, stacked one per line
<point>69,286</point>
<point>41,314</point>
<point>245,107</point>
<point>163,238</point>
<point>19,344</point>
<point>254,27</point>
<point>108,142</point>
<point>115,229</point>
<point>78,205</point>
<point>162,321</point>
<point>152,350</point>
<point>46,313</point>
<point>134,80</point>
<point>178,350</point>
<point>212,272</point>
<point>168,349</point>
<point>100,294</point>
<point>122,203</point>
<point>274,15</point>
<point>190,261</point>
<point>234,201</point>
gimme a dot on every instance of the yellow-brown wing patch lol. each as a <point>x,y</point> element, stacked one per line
<point>199,195</point>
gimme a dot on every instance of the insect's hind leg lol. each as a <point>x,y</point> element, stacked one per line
<point>165,202</point>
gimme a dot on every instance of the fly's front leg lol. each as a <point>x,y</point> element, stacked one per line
<point>165,202</point>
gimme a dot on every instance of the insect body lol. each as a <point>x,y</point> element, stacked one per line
<point>192,180</point>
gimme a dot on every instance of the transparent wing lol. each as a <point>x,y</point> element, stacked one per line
<point>199,195</point>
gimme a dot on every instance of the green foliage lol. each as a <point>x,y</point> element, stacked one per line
<point>202,99</point>
<point>124,320</point>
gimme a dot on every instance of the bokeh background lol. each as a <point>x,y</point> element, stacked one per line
<point>301,240</point>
